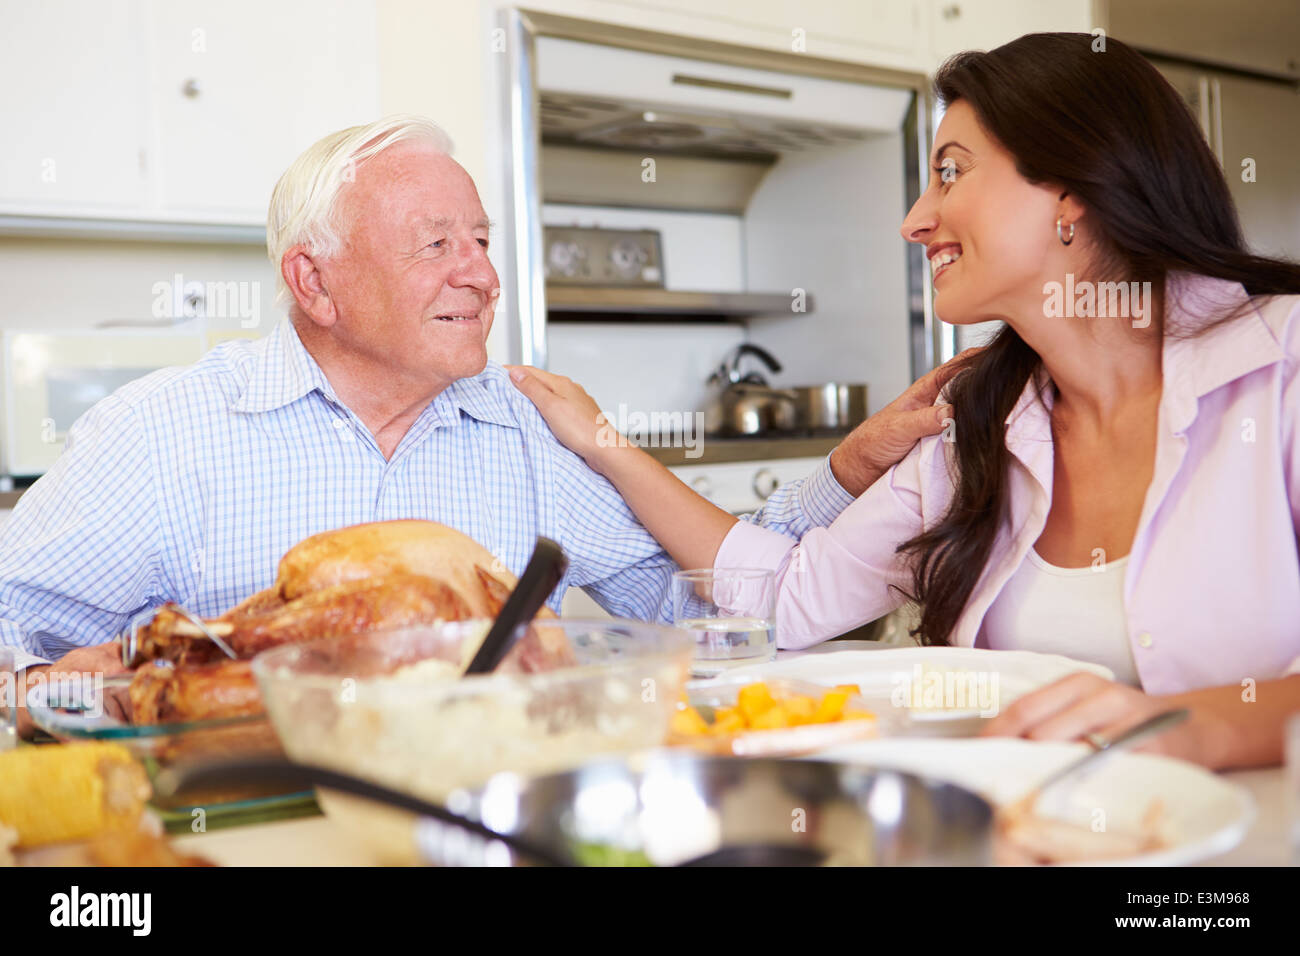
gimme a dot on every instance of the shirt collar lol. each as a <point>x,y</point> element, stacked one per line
<point>1196,364</point>
<point>283,373</point>
<point>1193,365</point>
<point>477,398</point>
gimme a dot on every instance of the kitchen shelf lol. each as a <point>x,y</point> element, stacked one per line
<point>139,230</point>
<point>715,451</point>
<point>667,303</point>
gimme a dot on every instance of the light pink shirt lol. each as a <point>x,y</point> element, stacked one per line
<point>1212,586</point>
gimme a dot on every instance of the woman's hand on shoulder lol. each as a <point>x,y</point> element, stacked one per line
<point>571,413</point>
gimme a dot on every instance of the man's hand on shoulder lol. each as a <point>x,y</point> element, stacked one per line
<point>886,437</point>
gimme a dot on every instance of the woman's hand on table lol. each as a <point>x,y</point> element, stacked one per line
<point>1082,704</point>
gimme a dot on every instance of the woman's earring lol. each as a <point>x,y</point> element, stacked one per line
<point>1060,234</point>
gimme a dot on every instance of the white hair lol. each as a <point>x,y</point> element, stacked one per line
<point>304,202</point>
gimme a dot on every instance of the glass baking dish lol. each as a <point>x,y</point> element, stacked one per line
<point>162,746</point>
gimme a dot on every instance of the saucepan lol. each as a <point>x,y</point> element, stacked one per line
<point>834,406</point>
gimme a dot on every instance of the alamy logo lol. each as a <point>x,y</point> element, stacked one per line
<point>931,689</point>
<point>180,299</point>
<point>656,429</point>
<point>102,909</point>
<point>1098,300</point>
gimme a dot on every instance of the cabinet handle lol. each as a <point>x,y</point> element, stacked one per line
<point>951,12</point>
<point>191,88</point>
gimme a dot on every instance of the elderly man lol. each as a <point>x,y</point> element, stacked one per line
<point>376,400</point>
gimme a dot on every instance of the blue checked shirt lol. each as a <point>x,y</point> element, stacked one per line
<point>189,484</point>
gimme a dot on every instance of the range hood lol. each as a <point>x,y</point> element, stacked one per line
<point>592,150</point>
<point>587,121</point>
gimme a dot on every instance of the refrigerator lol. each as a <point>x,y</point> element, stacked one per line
<point>1238,67</point>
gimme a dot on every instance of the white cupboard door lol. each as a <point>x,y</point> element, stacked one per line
<point>859,30</point>
<point>73,89</point>
<point>244,86</point>
<point>957,25</point>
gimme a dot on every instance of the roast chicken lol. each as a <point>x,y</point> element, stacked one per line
<point>367,577</point>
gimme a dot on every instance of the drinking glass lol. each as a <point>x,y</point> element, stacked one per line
<point>731,614</point>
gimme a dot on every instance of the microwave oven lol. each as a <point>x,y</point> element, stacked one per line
<point>52,378</point>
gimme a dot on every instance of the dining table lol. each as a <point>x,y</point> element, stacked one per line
<point>1273,838</point>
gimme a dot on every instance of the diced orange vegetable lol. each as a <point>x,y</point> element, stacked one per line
<point>851,689</point>
<point>754,699</point>
<point>688,722</point>
<point>728,720</point>
<point>800,709</point>
<point>774,718</point>
<point>757,709</point>
<point>831,706</point>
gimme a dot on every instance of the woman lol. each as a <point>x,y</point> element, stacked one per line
<point>1122,488</point>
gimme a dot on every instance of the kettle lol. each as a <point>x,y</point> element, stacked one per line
<point>747,405</point>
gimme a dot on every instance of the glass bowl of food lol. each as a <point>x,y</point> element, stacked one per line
<point>392,706</point>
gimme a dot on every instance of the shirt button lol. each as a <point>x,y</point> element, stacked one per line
<point>340,423</point>
<point>1144,639</point>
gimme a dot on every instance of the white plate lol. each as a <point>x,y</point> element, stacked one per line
<point>1204,815</point>
<point>985,680</point>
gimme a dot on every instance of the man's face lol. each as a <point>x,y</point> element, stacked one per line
<point>413,289</point>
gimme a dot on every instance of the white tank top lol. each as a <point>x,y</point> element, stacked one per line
<point>1076,612</point>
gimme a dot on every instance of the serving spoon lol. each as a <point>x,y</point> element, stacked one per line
<point>1103,747</point>
<point>474,848</point>
<point>541,576</point>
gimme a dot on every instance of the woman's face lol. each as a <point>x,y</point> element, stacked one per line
<point>1000,228</point>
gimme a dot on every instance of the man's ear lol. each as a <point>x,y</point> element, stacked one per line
<point>307,286</point>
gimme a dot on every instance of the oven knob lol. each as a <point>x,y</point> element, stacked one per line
<point>765,482</point>
<point>627,258</point>
<point>702,486</point>
<point>565,259</point>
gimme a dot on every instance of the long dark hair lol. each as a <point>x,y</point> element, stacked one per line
<point>1106,127</point>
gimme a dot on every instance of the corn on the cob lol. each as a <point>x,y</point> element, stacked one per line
<point>69,791</point>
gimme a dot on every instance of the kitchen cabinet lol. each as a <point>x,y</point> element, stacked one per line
<point>886,31</point>
<point>237,105</point>
<point>902,34</point>
<point>956,25</point>
<point>184,111</point>
<point>73,94</point>
<point>1260,37</point>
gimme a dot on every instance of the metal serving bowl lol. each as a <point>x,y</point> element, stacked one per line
<point>667,807</point>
